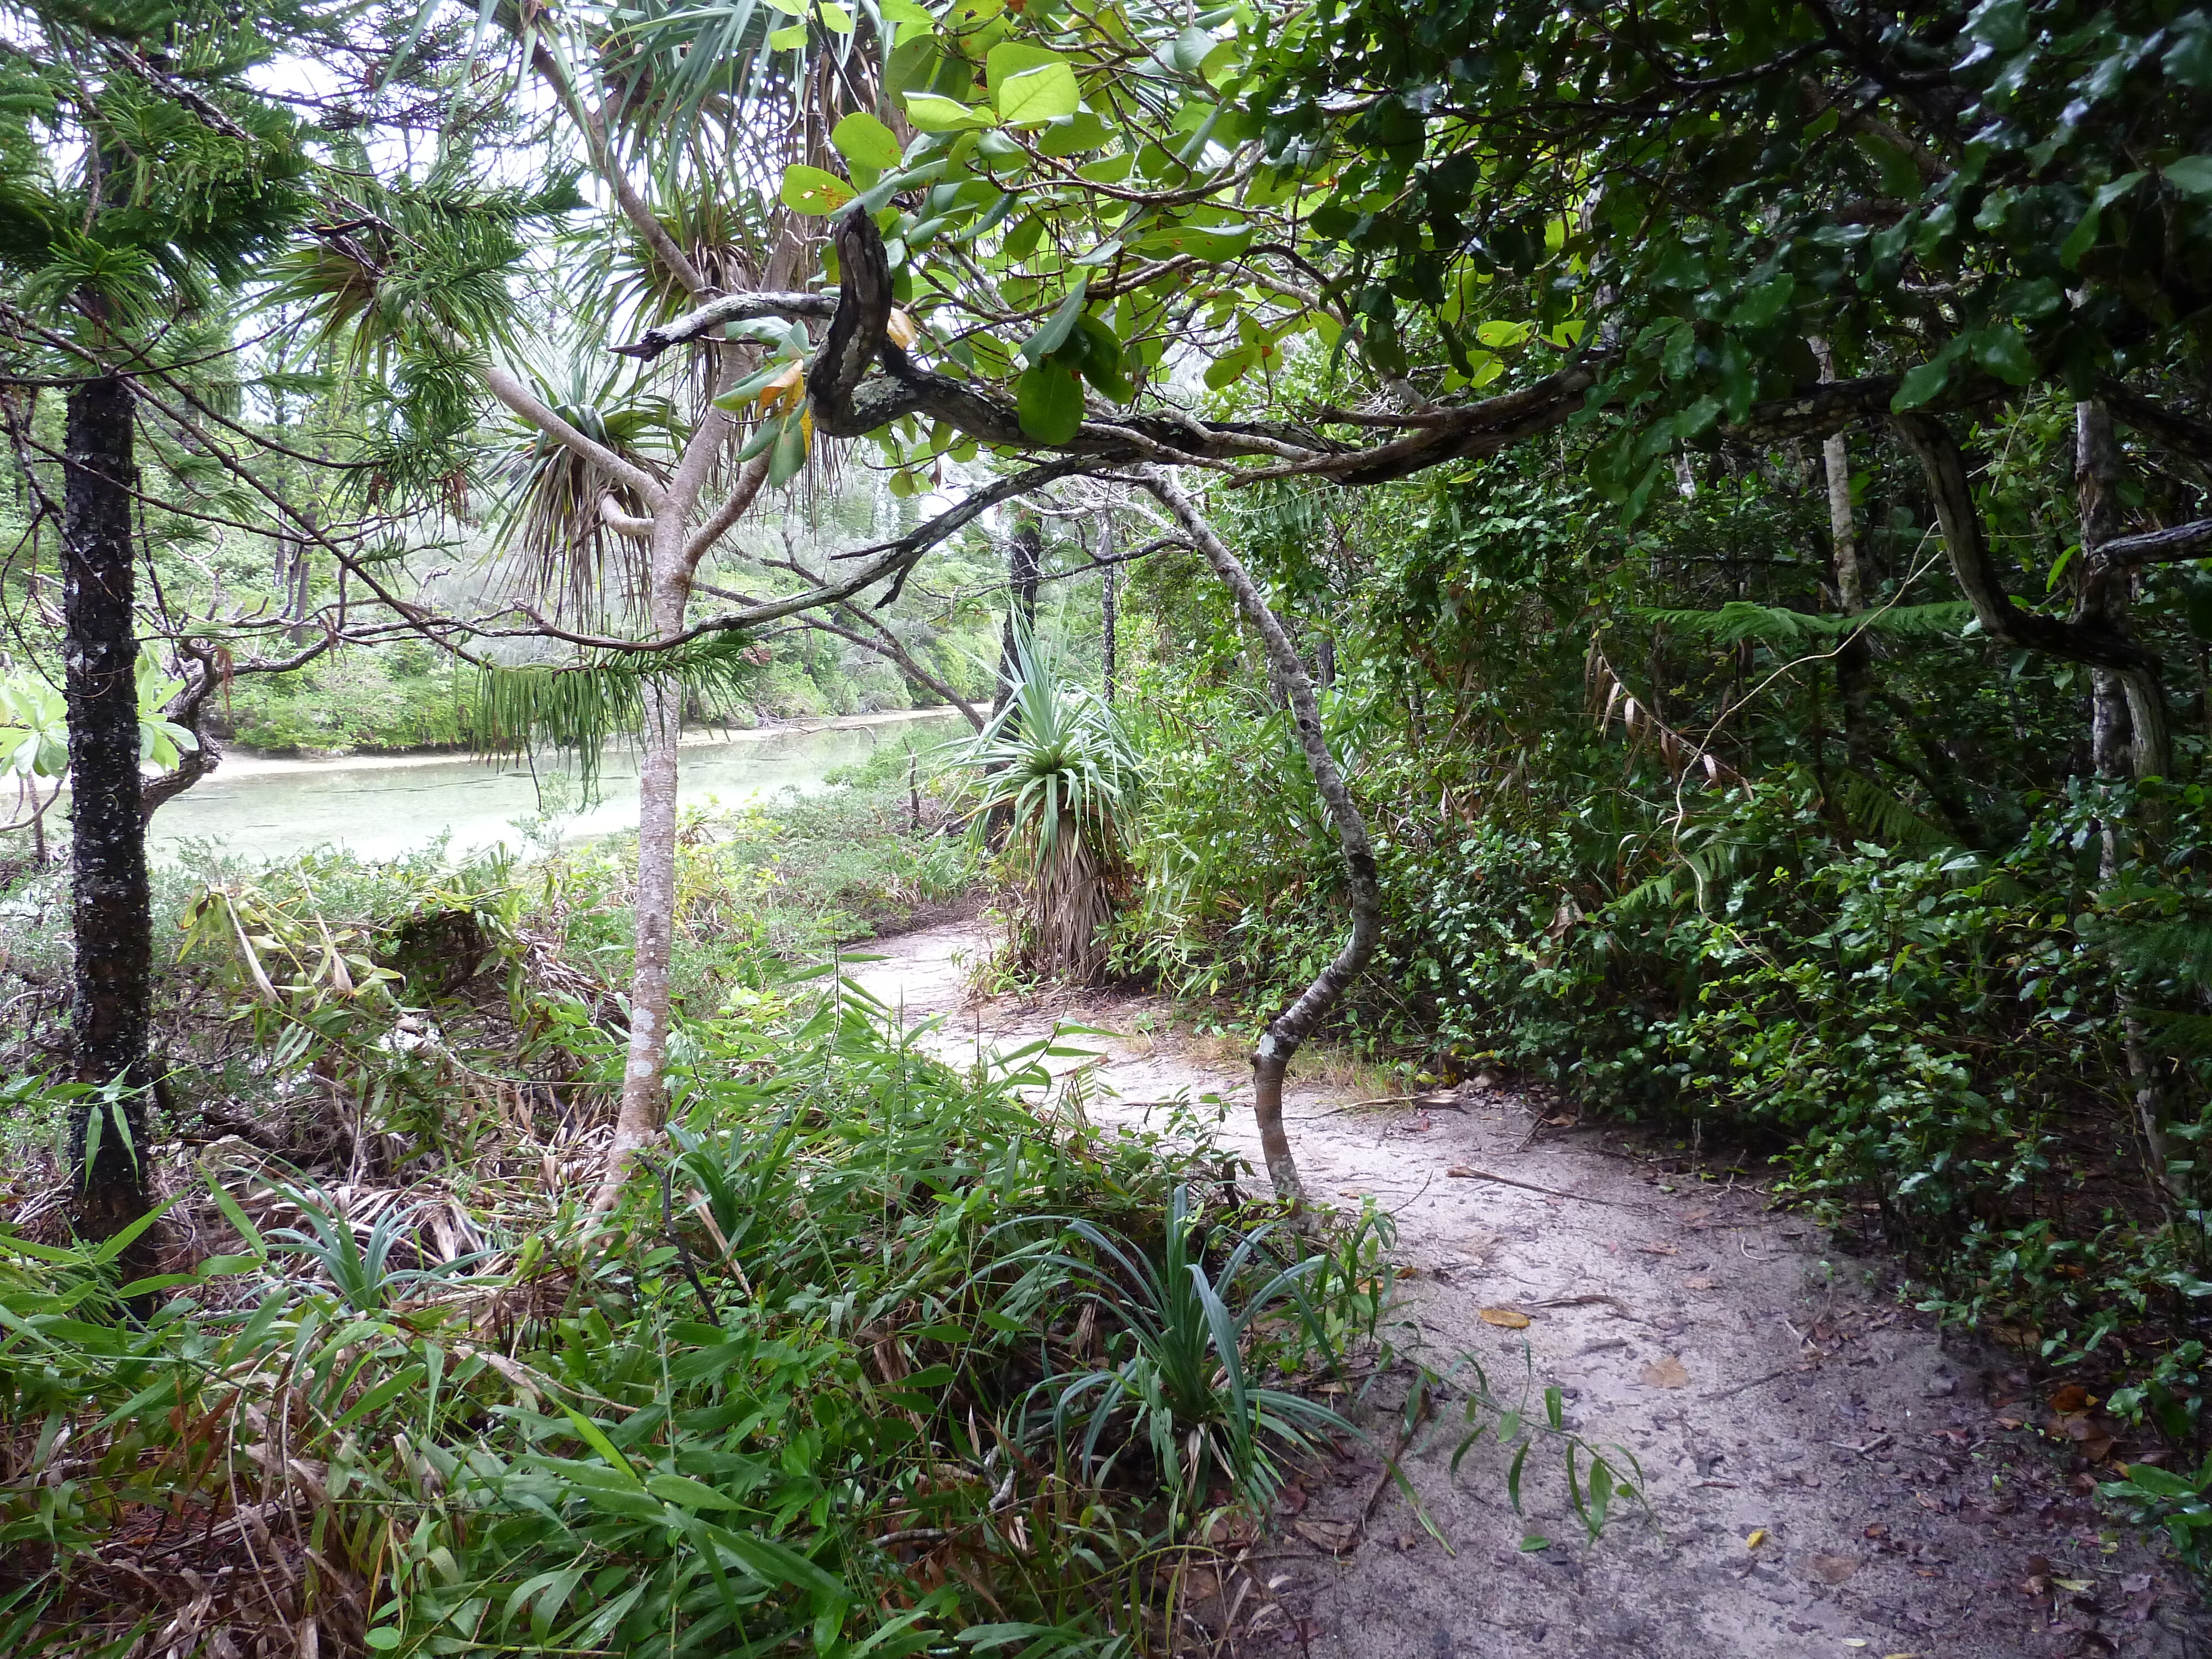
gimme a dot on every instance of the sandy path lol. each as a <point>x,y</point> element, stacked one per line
<point>1765,1381</point>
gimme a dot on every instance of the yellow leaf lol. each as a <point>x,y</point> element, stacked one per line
<point>902,331</point>
<point>1757,1538</point>
<point>1511,1318</point>
<point>783,391</point>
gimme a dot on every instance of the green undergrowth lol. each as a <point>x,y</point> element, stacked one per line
<point>803,1387</point>
<point>790,879</point>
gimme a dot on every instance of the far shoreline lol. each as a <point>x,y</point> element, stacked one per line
<point>233,764</point>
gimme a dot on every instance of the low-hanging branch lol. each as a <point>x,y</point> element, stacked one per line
<point>860,381</point>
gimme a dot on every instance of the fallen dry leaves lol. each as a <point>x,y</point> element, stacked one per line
<point>1831,1568</point>
<point>1667,1372</point>
<point>1511,1319</point>
<point>1337,1537</point>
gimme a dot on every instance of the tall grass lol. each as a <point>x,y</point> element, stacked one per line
<point>779,1402</point>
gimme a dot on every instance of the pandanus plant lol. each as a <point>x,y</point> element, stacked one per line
<point>1060,771</point>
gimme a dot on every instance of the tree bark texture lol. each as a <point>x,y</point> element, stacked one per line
<point>2127,724</point>
<point>1110,624</point>
<point>674,552</point>
<point>1854,656</point>
<point>110,906</point>
<point>1024,570</point>
<point>1271,1059</point>
<point>645,1086</point>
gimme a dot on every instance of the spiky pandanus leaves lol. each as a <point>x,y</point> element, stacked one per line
<point>552,518</point>
<point>578,707</point>
<point>1056,759</point>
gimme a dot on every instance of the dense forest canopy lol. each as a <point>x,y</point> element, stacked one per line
<point>1662,551</point>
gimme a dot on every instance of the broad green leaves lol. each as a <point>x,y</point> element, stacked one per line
<point>930,112</point>
<point>812,191</point>
<point>1031,85</point>
<point>867,145</point>
<point>1049,399</point>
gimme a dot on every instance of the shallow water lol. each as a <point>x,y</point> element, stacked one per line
<point>386,806</point>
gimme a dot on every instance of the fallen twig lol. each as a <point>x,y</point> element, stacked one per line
<point>1756,1382</point>
<point>1469,1172</point>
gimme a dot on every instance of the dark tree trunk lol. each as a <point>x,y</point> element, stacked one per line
<point>1024,569</point>
<point>111,914</point>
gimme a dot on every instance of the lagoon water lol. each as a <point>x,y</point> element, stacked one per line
<point>379,806</point>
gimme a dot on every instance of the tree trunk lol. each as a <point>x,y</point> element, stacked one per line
<point>1025,565</point>
<point>2127,727</point>
<point>644,1085</point>
<point>1109,613</point>
<point>1855,657</point>
<point>1271,1059</point>
<point>111,905</point>
<point>1024,569</point>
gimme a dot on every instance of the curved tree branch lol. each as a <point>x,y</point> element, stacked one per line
<point>1271,1060</point>
<point>1944,468</point>
<point>730,308</point>
<point>850,400</point>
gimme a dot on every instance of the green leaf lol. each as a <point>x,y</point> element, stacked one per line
<point>1054,335</point>
<point>1199,242</point>
<point>2192,174</point>
<point>1101,363</point>
<point>115,1246</point>
<point>740,396</point>
<point>595,1438</point>
<point>930,113</point>
<point>812,191</point>
<point>790,453</point>
<point>1922,383</point>
<point>776,1564</point>
<point>1229,367</point>
<point>836,18</point>
<point>1030,85</point>
<point>905,11</point>
<point>788,39</point>
<point>688,1494</point>
<point>1049,400</point>
<point>2002,350</point>
<point>866,141</point>
<point>1074,134</point>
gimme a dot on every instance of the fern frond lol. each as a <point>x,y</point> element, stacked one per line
<point>1739,620</point>
<point>1872,809</point>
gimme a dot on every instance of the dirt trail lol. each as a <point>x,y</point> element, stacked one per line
<point>1764,1383</point>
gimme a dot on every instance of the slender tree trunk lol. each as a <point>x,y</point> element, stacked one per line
<point>2127,727</point>
<point>1855,659</point>
<point>1109,612</point>
<point>1024,569</point>
<point>111,905</point>
<point>300,595</point>
<point>1271,1059</point>
<point>645,1086</point>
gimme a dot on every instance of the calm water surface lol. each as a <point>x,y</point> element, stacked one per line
<point>383,809</point>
